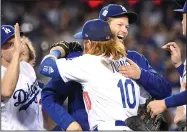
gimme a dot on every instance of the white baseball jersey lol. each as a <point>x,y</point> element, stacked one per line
<point>108,95</point>
<point>22,111</point>
<point>183,80</point>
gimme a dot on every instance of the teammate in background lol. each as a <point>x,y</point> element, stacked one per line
<point>20,92</point>
<point>115,14</point>
<point>159,106</point>
<point>106,103</point>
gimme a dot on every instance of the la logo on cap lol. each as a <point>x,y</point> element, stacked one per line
<point>86,35</point>
<point>104,12</point>
<point>7,30</point>
<point>107,37</point>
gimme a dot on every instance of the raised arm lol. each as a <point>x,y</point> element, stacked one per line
<point>10,78</point>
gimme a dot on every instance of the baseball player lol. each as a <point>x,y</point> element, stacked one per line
<point>20,92</point>
<point>109,97</point>
<point>148,77</point>
<point>158,106</point>
<point>139,70</point>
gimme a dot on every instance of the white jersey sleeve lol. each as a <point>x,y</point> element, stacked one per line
<point>3,70</point>
<point>182,81</point>
<point>75,69</point>
<point>184,73</point>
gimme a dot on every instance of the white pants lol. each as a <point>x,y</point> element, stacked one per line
<point>112,125</point>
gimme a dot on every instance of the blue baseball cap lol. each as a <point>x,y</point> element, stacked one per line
<point>96,30</point>
<point>7,31</point>
<point>114,10</point>
<point>182,10</point>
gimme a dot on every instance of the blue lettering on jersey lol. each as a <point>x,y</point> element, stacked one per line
<point>26,98</point>
<point>124,87</point>
<point>116,64</point>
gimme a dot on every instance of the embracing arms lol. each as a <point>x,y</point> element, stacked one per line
<point>140,70</point>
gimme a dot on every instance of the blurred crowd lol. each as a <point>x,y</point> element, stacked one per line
<point>49,21</point>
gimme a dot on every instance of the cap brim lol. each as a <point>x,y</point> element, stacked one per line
<point>78,35</point>
<point>179,10</point>
<point>132,16</point>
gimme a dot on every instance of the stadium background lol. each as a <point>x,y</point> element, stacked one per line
<point>49,21</point>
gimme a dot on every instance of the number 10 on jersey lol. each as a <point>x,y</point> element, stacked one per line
<point>124,90</point>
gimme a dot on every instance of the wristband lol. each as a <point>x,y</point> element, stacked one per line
<point>56,53</point>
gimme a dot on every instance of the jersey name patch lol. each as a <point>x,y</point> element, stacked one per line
<point>116,64</point>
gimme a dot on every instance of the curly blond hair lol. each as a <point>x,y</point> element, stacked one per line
<point>111,48</point>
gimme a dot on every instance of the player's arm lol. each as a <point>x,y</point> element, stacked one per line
<point>48,66</point>
<point>10,78</point>
<point>52,98</point>
<point>153,83</point>
<point>158,106</point>
<point>176,100</point>
<point>176,58</point>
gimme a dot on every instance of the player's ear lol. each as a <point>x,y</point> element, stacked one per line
<point>89,41</point>
<point>89,44</point>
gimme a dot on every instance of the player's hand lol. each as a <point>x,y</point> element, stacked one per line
<point>180,114</point>
<point>175,53</point>
<point>156,107</point>
<point>74,126</point>
<point>66,47</point>
<point>17,40</point>
<point>130,71</point>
